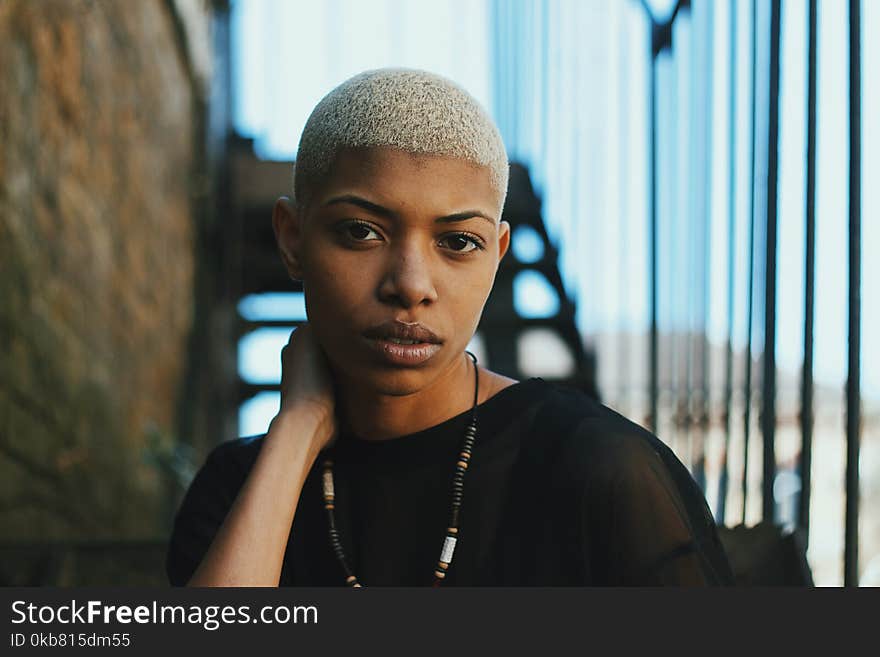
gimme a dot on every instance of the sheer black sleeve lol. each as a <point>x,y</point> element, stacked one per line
<point>204,508</point>
<point>648,519</point>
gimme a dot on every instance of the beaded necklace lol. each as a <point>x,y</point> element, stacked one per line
<point>457,489</point>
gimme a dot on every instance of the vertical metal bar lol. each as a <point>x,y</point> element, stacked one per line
<point>678,235</point>
<point>809,284</point>
<point>624,341</point>
<point>673,237</point>
<point>508,53</point>
<point>853,384</point>
<point>768,415</point>
<point>654,383</point>
<point>516,70</point>
<point>582,218</point>
<point>495,61</point>
<point>705,220</point>
<point>747,385</point>
<point>731,253</point>
<point>545,84</point>
<point>690,240</point>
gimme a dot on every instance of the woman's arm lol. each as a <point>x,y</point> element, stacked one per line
<point>249,547</point>
<point>657,529</point>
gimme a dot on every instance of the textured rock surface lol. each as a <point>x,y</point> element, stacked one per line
<point>96,262</point>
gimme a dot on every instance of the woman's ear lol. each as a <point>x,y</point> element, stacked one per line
<point>503,239</point>
<point>287,224</point>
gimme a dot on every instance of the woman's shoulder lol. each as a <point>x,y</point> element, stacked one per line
<point>578,433</point>
<point>594,448</point>
<point>232,460</point>
<point>577,418</point>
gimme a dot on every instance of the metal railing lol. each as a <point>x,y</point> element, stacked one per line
<point>762,267</point>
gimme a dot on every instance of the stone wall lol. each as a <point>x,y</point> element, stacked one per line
<point>97,154</point>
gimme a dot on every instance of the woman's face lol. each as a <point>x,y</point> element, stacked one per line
<point>396,248</point>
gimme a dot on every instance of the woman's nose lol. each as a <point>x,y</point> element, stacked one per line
<point>408,279</point>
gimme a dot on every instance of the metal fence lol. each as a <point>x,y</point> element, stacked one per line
<point>759,388</point>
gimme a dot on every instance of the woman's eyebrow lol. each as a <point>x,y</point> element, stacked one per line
<point>463,216</point>
<point>369,206</point>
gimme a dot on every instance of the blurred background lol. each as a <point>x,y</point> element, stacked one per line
<point>694,223</point>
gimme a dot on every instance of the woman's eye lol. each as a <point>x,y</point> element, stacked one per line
<point>461,243</point>
<point>361,232</point>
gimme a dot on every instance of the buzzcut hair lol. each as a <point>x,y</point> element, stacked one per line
<point>412,110</point>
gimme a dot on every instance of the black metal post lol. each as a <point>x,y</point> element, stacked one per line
<point>692,243</point>
<point>731,254</point>
<point>747,385</point>
<point>806,416</point>
<point>853,391</point>
<point>705,356</point>
<point>768,415</point>
<point>703,162</point>
<point>654,384</point>
<point>661,37</point>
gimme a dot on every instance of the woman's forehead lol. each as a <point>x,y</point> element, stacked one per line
<point>392,176</point>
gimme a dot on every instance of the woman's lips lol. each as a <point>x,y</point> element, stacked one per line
<point>403,354</point>
<point>403,343</point>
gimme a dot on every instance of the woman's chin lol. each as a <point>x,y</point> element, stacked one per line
<point>395,382</point>
<point>383,380</point>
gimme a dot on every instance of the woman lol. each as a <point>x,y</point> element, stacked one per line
<point>395,459</point>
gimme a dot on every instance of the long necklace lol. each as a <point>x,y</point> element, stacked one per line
<point>457,489</point>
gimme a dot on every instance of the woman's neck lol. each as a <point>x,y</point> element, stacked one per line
<point>374,416</point>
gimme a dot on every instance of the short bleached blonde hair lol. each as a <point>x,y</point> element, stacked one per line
<point>415,111</point>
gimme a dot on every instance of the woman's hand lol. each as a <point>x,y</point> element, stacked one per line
<point>306,383</point>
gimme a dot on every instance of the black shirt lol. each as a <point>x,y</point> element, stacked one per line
<point>560,491</point>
